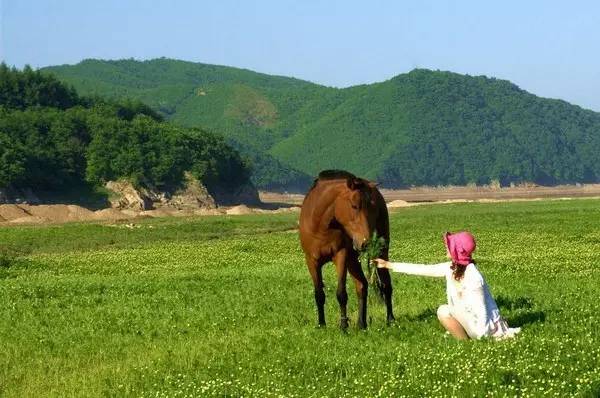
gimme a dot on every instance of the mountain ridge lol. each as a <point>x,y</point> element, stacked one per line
<point>408,130</point>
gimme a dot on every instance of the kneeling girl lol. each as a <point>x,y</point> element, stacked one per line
<point>471,311</point>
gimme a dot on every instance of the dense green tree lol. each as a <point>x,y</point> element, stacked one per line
<point>12,162</point>
<point>23,89</point>
<point>53,139</point>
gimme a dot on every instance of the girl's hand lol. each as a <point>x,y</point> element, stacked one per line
<point>382,263</point>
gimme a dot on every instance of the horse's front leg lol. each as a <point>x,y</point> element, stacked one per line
<point>314,268</point>
<point>342,296</point>
<point>362,287</point>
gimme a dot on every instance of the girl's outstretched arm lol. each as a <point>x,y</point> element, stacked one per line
<point>436,270</point>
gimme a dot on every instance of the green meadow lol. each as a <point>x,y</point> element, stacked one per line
<point>223,306</point>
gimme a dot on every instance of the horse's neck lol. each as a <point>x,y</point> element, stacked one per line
<point>325,213</point>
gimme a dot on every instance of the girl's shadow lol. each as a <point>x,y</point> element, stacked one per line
<point>522,305</point>
<point>521,317</point>
<point>524,318</point>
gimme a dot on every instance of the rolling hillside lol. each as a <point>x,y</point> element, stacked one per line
<point>423,127</point>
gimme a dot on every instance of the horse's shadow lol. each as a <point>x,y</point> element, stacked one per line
<point>423,316</point>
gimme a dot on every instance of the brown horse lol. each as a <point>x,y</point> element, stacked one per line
<point>339,215</point>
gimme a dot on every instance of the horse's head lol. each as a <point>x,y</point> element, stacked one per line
<point>356,210</point>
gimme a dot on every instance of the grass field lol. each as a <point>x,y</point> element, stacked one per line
<point>223,306</point>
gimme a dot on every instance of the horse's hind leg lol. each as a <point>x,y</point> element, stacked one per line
<point>383,230</point>
<point>342,295</point>
<point>314,267</point>
<point>362,288</point>
<point>386,287</point>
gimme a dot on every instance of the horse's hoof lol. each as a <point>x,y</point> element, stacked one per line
<point>391,320</point>
<point>344,323</point>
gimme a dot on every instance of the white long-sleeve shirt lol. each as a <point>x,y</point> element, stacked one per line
<point>469,299</point>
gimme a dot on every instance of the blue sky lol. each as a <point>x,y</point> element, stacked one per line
<point>550,48</point>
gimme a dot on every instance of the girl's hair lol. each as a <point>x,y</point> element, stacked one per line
<point>458,271</point>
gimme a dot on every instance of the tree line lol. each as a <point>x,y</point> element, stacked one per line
<point>52,138</point>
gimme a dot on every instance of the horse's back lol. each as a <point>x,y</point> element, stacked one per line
<point>383,218</point>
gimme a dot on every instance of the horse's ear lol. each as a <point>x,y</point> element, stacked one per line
<point>353,183</point>
<point>373,184</point>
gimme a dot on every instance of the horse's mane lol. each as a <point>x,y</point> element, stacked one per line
<point>332,175</point>
<point>335,175</point>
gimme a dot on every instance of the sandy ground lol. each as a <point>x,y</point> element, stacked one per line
<point>11,214</point>
<point>444,194</point>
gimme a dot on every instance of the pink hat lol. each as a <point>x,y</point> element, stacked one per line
<point>460,246</point>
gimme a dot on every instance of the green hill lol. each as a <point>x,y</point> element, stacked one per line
<point>53,140</point>
<point>423,127</point>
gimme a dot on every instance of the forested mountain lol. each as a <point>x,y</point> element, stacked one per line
<point>423,127</point>
<point>52,139</point>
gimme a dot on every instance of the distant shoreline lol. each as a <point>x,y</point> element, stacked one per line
<point>272,202</point>
<point>441,194</point>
